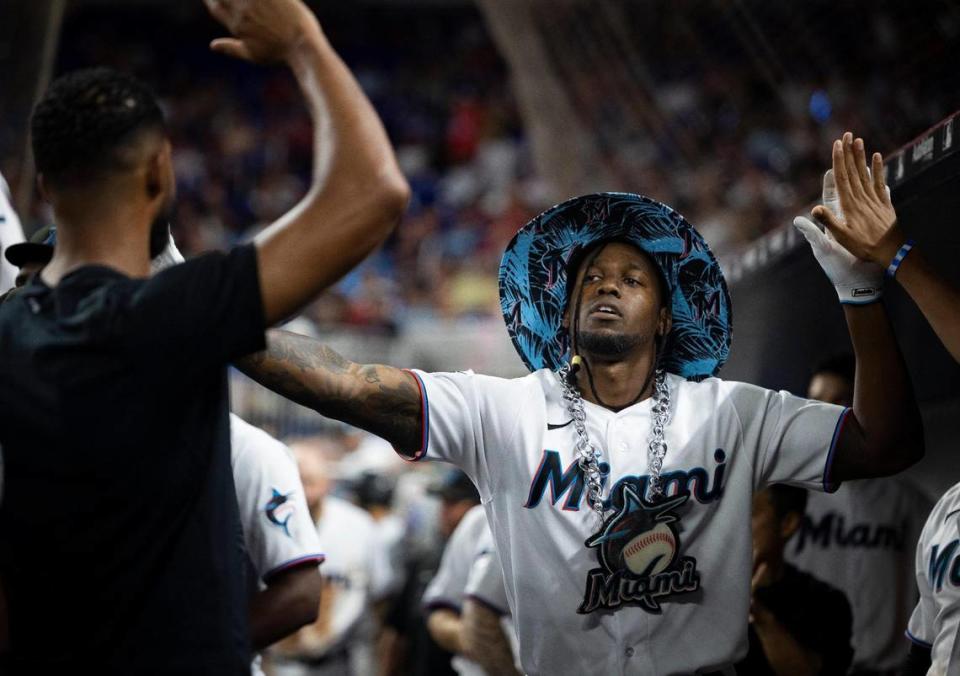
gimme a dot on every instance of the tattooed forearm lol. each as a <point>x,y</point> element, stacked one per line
<point>381,399</point>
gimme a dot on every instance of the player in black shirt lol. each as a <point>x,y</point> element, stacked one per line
<point>799,625</point>
<point>120,546</point>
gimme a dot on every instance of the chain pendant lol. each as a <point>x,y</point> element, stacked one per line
<point>589,456</point>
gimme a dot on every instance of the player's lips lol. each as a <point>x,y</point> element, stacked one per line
<point>604,309</point>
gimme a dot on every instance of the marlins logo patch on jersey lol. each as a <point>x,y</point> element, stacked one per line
<point>638,548</point>
<point>279,509</point>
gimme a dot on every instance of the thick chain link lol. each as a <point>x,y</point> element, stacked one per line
<point>588,455</point>
<point>657,448</point>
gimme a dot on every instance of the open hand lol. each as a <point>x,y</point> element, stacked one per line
<point>264,30</point>
<point>857,281</point>
<point>867,225</point>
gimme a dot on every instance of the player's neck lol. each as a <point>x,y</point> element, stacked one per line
<point>617,384</point>
<point>117,238</point>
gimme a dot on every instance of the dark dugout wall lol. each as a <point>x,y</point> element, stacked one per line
<point>786,316</point>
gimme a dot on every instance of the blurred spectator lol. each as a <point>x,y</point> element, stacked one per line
<point>736,153</point>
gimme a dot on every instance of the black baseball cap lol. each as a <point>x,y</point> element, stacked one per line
<point>39,249</point>
<point>454,486</point>
<point>373,489</point>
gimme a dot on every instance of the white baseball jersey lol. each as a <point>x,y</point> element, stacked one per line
<point>469,540</point>
<point>356,571</point>
<point>862,540</point>
<point>935,622</point>
<point>277,527</point>
<point>661,588</point>
<point>10,233</point>
<point>486,587</point>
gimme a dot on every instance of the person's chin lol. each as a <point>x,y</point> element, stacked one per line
<point>608,341</point>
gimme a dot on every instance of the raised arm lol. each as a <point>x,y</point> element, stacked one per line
<point>380,399</point>
<point>884,434</point>
<point>357,193</point>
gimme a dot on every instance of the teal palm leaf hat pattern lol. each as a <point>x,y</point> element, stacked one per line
<point>533,279</point>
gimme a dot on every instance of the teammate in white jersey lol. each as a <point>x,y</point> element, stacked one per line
<point>619,492</point>
<point>10,233</point>
<point>862,540</point>
<point>445,596</point>
<point>488,631</point>
<point>355,576</point>
<point>279,536</point>
<point>935,623</point>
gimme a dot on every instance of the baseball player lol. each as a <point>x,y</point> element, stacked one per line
<point>280,538</point>
<point>113,397</point>
<point>444,597</point>
<point>873,235</point>
<point>935,623</point>
<point>862,540</point>
<point>11,233</point>
<point>356,575</point>
<point>488,631</point>
<point>617,477</point>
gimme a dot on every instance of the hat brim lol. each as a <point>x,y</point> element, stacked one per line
<point>25,253</point>
<point>533,279</point>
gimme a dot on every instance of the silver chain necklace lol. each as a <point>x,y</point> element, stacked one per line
<point>588,455</point>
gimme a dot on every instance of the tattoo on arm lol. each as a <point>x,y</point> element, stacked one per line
<point>381,399</point>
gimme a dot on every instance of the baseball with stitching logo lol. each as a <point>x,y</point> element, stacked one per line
<point>650,552</point>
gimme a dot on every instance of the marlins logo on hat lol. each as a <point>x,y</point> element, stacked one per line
<point>533,279</point>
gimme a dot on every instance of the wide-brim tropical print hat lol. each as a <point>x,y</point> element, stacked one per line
<point>533,279</point>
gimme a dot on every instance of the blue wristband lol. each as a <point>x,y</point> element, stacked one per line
<point>898,259</point>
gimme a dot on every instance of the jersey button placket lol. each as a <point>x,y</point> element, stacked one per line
<point>619,434</point>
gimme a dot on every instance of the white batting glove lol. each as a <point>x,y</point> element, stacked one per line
<point>167,258</point>
<point>857,282</point>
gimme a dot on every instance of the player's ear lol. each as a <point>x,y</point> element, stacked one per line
<point>42,188</point>
<point>158,178</point>
<point>789,525</point>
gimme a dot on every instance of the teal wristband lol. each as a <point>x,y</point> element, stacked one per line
<point>898,259</point>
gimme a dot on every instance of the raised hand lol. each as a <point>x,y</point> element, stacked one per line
<point>264,31</point>
<point>857,281</point>
<point>867,223</point>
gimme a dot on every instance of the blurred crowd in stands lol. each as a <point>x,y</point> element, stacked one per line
<point>736,159</point>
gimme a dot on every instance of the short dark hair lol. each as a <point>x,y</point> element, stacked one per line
<point>786,499</point>
<point>842,364</point>
<point>85,118</point>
